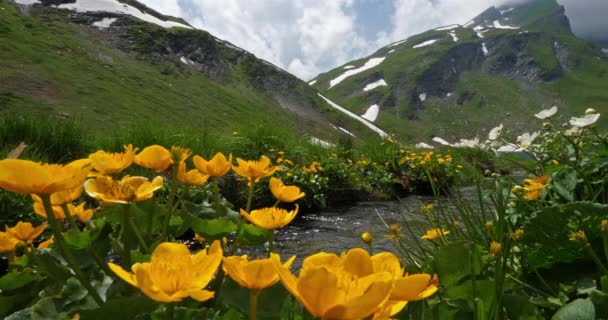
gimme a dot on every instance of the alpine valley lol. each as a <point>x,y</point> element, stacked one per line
<point>110,63</point>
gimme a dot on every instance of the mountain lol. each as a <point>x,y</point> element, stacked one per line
<point>111,64</point>
<point>459,81</point>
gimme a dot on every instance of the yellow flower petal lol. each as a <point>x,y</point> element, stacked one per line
<point>284,193</point>
<point>255,274</point>
<point>27,177</point>
<point>111,163</point>
<point>154,157</point>
<point>254,170</point>
<point>413,288</point>
<point>270,218</point>
<point>216,167</point>
<point>24,231</point>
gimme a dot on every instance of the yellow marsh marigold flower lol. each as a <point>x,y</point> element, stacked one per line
<point>406,287</point>
<point>216,167</point>
<point>180,154</point>
<point>517,234</point>
<point>366,237</point>
<point>7,243</point>
<point>192,177</point>
<point>489,225</point>
<point>254,274</point>
<point>332,287</point>
<point>25,231</point>
<point>39,209</point>
<point>495,249</point>
<point>127,190</point>
<point>64,196</point>
<point>435,233</point>
<point>47,243</point>
<point>579,237</point>
<point>82,214</point>
<point>27,177</point>
<point>254,170</point>
<point>154,157</point>
<point>427,208</point>
<point>270,218</point>
<point>394,232</point>
<point>604,225</point>
<point>456,224</point>
<point>534,187</point>
<point>111,163</point>
<point>173,273</point>
<point>284,193</point>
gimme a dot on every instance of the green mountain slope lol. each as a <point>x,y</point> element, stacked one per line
<point>460,81</point>
<point>56,62</point>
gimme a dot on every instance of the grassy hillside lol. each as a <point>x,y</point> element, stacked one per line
<point>54,67</point>
<point>534,65</point>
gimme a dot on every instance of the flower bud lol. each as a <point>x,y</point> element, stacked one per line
<point>366,237</point>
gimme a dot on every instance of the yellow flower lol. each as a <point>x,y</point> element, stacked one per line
<point>270,218</point>
<point>427,208</point>
<point>192,177</point>
<point>154,157</point>
<point>24,231</point>
<point>80,212</point>
<point>555,162</point>
<point>254,170</point>
<point>27,177</point>
<point>7,243</point>
<point>517,234</point>
<point>579,237</point>
<point>75,211</point>
<point>495,249</point>
<point>39,209</point>
<point>366,237</point>
<point>179,154</point>
<point>284,193</point>
<point>235,133</point>
<point>111,163</point>
<point>255,274</point>
<point>604,225</point>
<point>406,288</point>
<point>216,167</point>
<point>127,190</point>
<point>173,273</point>
<point>534,187</point>
<point>456,224</point>
<point>332,287</point>
<point>394,232</point>
<point>435,233</point>
<point>47,243</point>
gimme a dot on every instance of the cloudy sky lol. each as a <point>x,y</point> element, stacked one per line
<point>307,37</point>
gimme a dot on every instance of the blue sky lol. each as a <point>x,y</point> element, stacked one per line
<point>307,37</point>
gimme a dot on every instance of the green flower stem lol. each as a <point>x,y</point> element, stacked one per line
<point>276,203</point>
<point>126,238</point>
<point>253,304</point>
<point>596,259</point>
<point>170,315</point>
<point>69,217</point>
<point>59,241</point>
<point>371,249</point>
<point>138,235</point>
<point>250,196</point>
<point>172,194</point>
<point>90,250</point>
<point>525,285</point>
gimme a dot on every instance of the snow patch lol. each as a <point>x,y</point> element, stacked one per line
<point>449,94</point>
<point>454,37</point>
<point>479,30</point>
<point>356,117</point>
<point>393,50</point>
<point>373,62</point>
<point>348,67</point>
<point>321,143</point>
<point>114,6</point>
<point>27,2</point>
<point>468,24</point>
<point>446,28</point>
<point>312,82</point>
<point>502,12</point>
<point>103,23</point>
<point>397,43</point>
<point>184,60</point>
<point>374,85</point>
<point>497,25</point>
<point>441,141</point>
<point>484,49</point>
<point>231,46</point>
<point>426,43</point>
<point>423,145</point>
<point>372,113</point>
<point>422,97</point>
<point>347,132</point>
<point>604,50</point>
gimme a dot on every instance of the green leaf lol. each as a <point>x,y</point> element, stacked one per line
<point>456,261</point>
<point>579,309</point>
<point>79,240</point>
<point>564,183</point>
<point>270,300</point>
<point>16,280</point>
<point>251,235</point>
<point>123,308</point>
<point>474,292</point>
<point>520,308</point>
<point>600,302</point>
<point>213,229</point>
<point>49,265</point>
